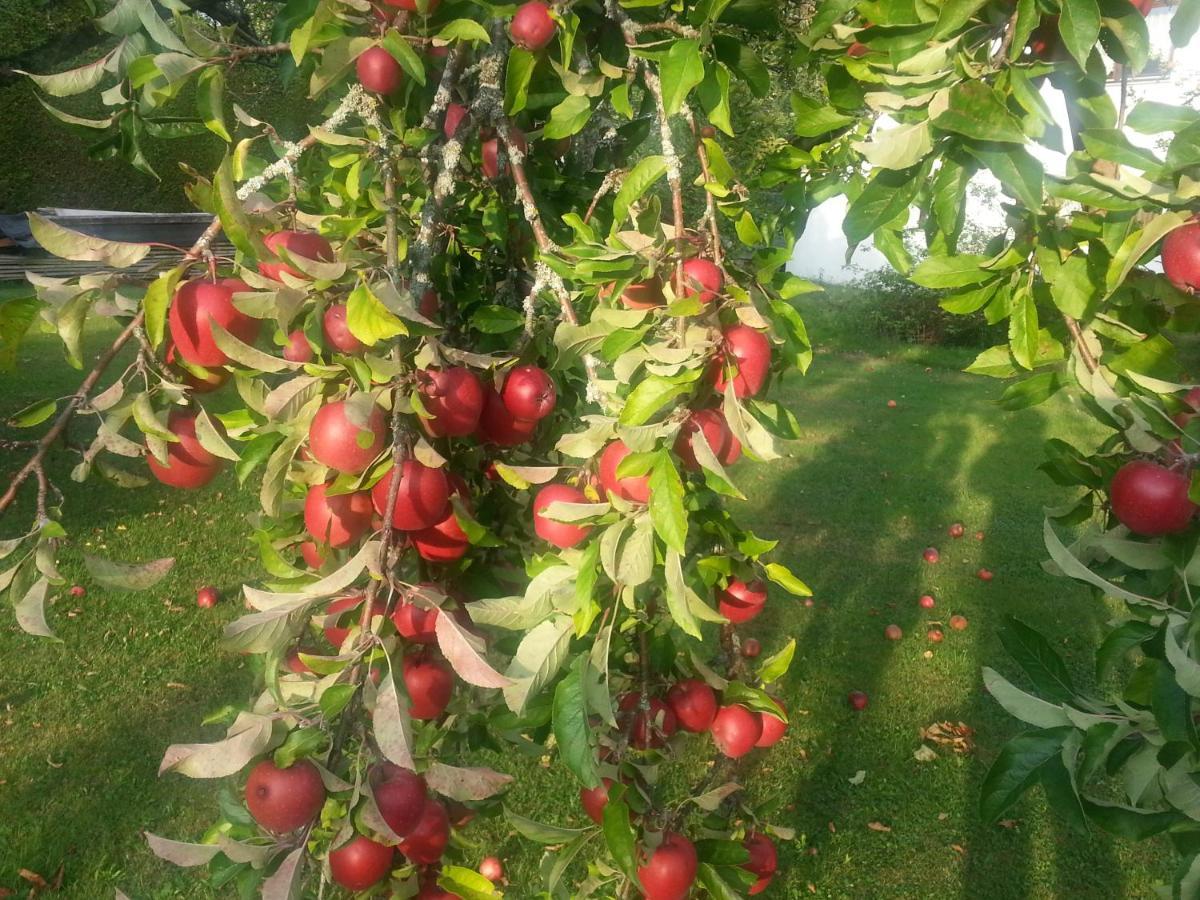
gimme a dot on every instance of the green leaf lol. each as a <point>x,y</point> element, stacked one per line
<point>1138,244</point>
<point>618,832</point>
<point>714,97</point>
<point>651,394</point>
<point>404,54</point>
<point>636,183</point>
<point>368,319</point>
<point>812,119</point>
<point>782,576</point>
<point>899,147</point>
<point>497,319</point>
<point>127,577</point>
<point>300,743</point>
<point>462,30</point>
<point>539,831</point>
<point>1023,328</point>
<point>1037,659</point>
<point>1019,171</point>
<point>243,353</point>
<point>1128,822</point>
<point>465,883</point>
<point>571,729</point>
<point>335,698</point>
<point>679,72</point>
<point>1185,22</point>
<point>1031,391</point>
<point>34,414</point>
<point>677,596</point>
<point>1112,144</point>
<point>666,504</point>
<point>952,271</point>
<point>776,666</point>
<point>210,101</point>
<point>16,315</point>
<point>30,610</point>
<point>68,244</point>
<point>234,221</point>
<point>517,74</point>
<point>72,82</point>
<point>976,110</point>
<point>1026,707</point>
<point>156,302</point>
<point>1152,117</point>
<point>1079,25</point>
<point>885,198</point>
<point>568,117</point>
<point>1017,768</point>
<point>954,14</point>
<point>211,438</point>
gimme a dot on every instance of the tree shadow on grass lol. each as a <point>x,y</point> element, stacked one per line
<point>868,491</point>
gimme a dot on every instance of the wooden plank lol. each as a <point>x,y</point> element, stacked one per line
<point>13,267</point>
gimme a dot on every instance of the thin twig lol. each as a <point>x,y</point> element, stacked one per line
<point>1085,352</point>
<point>245,52</point>
<point>710,204</point>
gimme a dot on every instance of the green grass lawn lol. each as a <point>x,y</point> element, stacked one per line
<point>85,721</point>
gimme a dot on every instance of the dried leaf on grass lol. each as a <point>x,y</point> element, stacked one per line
<point>958,736</point>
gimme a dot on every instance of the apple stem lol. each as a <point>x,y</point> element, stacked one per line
<point>710,204</point>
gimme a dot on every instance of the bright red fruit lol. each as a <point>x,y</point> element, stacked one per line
<point>702,277</point>
<point>858,700</point>
<point>958,623</point>
<point>430,684</point>
<point>360,863</point>
<point>740,602</point>
<point>857,49</point>
<point>416,624</point>
<point>646,294</point>
<point>751,648</point>
<point>671,869</point>
<point>532,28</point>
<point>985,575</point>
<point>454,397</point>
<point>956,530</point>
<point>78,590</point>
<point>725,447</point>
<point>336,634</point>
<point>763,861</point>
<point>773,728</point>
<point>736,730</point>
<point>400,796</point>
<point>426,843</point>
<point>529,393</point>
<point>297,349</point>
<point>199,303</point>
<point>282,800</point>
<point>634,488</point>
<point>560,534</point>
<point>891,404</point>
<point>296,664</point>
<point>314,556</point>
<point>1150,499</point>
<point>935,635</point>
<point>431,890</point>
<point>927,602</point>
<point>694,705</point>
<point>747,350</point>
<point>492,869</point>
<point>378,71</point>
<point>337,521</point>
<point>1181,257</point>
<point>498,425</point>
<point>337,440</point>
<point>207,597</point>
<point>645,734</point>
<point>422,498</point>
<point>411,5</point>
<point>337,331</point>
<point>444,542</point>
<point>189,465</point>
<point>455,113</point>
<point>595,799</point>
<point>490,151</point>
<point>893,633</point>
<point>931,555</point>
<point>305,244</point>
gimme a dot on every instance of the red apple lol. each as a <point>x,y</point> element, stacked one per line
<point>416,624</point>
<point>360,863</point>
<point>891,404</point>
<point>1150,499</point>
<point>304,244</point>
<point>422,499</point>
<point>490,151</point>
<point>314,556</point>
<point>497,424</point>
<point>634,488</point>
<point>773,728</point>
<point>336,440</point>
<point>196,305</point>
<point>935,635</point>
<point>411,5</point>
<point>455,113</point>
<point>560,534</point>
<point>725,447</point>
<point>336,634</point>
<point>337,331</point>
<point>857,50</point>
<point>735,730</point>
<point>532,27</point>
<point>763,861</point>
<point>979,535</point>
<point>751,648</point>
<point>492,869</point>
<point>444,542</point>
<point>595,799</point>
<point>1181,257</point>
<point>78,590</point>
<point>702,278</point>
<point>400,796</point>
<point>958,623</point>
<point>431,890</point>
<point>670,871</point>
<point>858,700</point>
<point>931,555</point>
<point>426,843</point>
<point>740,602</point>
<point>956,530</point>
<point>694,705</point>
<point>297,349</point>
<point>529,393</point>
<point>646,294</point>
<point>207,597</point>
<point>282,800</point>
<point>927,602</point>
<point>454,397</point>
<point>189,465</point>
<point>747,351</point>
<point>645,730</point>
<point>985,575</point>
<point>336,521</point>
<point>430,684</point>
<point>378,71</point>
<point>893,633</point>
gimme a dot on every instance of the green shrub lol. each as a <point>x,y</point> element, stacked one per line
<point>893,307</point>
